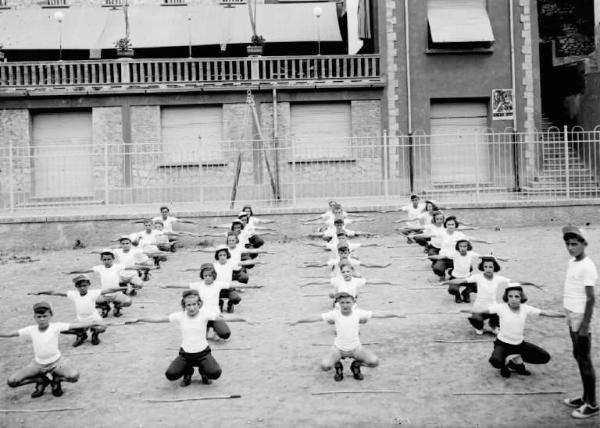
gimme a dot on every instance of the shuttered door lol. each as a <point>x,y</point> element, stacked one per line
<point>62,149</point>
<point>321,130</point>
<point>459,153</point>
<point>192,133</point>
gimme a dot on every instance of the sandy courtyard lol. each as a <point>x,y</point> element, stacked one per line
<point>420,382</point>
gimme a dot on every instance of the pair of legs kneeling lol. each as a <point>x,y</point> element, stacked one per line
<point>508,357</point>
<point>233,298</point>
<point>43,375</point>
<point>360,355</point>
<point>82,336</point>
<point>119,301</point>
<point>184,364</point>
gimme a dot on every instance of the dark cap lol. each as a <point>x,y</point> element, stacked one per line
<point>42,307</point>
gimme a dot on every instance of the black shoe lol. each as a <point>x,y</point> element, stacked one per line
<point>105,309</point>
<point>40,387</point>
<point>457,298</point>
<point>504,371</point>
<point>95,339</point>
<point>146,276</point>
<point>80,339</point>
<point>56,388</point>
<point>466,297</point>
<point>221,303</point>
<point>355,369</point>
<point>339,372</point>
<point>519,368</point>
<point>117,311</point>
<point>133,292</point>
<point>205,379</point>
<point>187,379</point>
<point>229,307</point>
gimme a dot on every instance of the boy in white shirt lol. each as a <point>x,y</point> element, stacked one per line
<point>84,300</point>
<point>48,360</point>
<point>510,349</point>
<point>168,220</point>
<point>347,341</point>
<point>110,278</point>
<point>346,283</point>
<point>578,301</point>
<point>194,351</point>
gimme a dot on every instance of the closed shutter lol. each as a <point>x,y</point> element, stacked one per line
<point>62,148</point>
<point>321,130</point>
<point>459,151</point>
<point>192,133</point>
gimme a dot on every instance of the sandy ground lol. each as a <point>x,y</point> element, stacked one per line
<point>276,370</point>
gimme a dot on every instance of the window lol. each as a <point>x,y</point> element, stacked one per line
<point>113,3</point>
<point>174,2</point>
<point>192,134</point>
<point>232,2</point>
<point>321,131</point>
<point>459,25</point>
<point>57,2</point>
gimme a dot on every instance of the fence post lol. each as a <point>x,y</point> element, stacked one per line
<point>293,173</point>
<point>106,192</point>
<point>386,166</point>
<point>477,170</point>
<point>566,149</point>
<point>11,178</point>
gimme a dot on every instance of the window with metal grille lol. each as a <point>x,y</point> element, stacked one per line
<point>226,2</point>
<point>113,2</point>
<point>57,3</point>
<point>174,2</point>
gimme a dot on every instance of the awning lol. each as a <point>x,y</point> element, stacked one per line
<point>159,26</point>
<point>459,21</point>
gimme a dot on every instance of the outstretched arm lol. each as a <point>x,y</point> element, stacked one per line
<point>314,318</point>
<point>172,286</point>
<point>473,311</point>
<point>374,265</point>
<point>48,293</point>
<point>73,272</point>
<point>148,319</point>
<point>220,226</point>
<point>233,318</point>
<point>314,264</point>
<point>9,333</point>
<point>383,314</point>
<point>113,290</point>
<point>552,314</point>
<point>455,281</point>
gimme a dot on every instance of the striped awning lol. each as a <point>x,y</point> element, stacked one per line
<point>459,21</point>
<point>154,26</point>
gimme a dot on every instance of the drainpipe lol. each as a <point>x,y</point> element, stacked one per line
<point>276,144</point>
<point>411,178</point>
<point>516,151</point>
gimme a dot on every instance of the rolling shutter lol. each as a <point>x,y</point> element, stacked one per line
<point>62,149</point>
<point>459,153</point>
<point>321,130</point>
<point>192,133</point>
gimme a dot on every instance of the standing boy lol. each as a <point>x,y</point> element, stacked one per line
<point>48,360</point>
<point>578,300</point>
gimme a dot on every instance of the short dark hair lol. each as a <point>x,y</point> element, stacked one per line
<point>488,259</point>
<point>469,246</point>
<point>579,238</point>
<point>450,218</point>
<point>435,214</point>
<point>164,207</point>
<point>188,293</point>
<point>514,288</point>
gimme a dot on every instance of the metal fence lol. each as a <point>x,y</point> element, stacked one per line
<point>485,167</point>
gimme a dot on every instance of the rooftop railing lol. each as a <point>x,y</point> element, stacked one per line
<point>325,68</point>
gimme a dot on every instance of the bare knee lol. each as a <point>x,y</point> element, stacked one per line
<point>372,363</point>
<point>72,377</point>
<point>325,366</point>
<point>12,382</point>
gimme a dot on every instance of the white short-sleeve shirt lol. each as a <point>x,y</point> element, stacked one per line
<point>209,294</point>
<point>45,343</point>
<point>487,290</point>
<point>225,271</point>
<point>512,323</point>
<point>109,277</point>
<point>334,264</point>
<point>351,287</point>
<point>449,242</point>
<point>147,238</point>
<point>85,306</point>
<point>462,264</point>
<point>412,212</point>
<point>347,327</point>
<point>193,329</point>
<point>436,233</point>
<point>168,223</point>
<point>580,274</point>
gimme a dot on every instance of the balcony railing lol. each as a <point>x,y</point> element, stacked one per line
<point>323,68</point>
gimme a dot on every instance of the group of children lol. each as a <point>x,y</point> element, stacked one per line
<point>207,304</point>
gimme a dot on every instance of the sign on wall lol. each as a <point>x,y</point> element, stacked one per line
<point>502,104</point>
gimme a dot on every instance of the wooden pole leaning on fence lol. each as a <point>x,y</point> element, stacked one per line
<point>252,105</point>
<point>236,179</point>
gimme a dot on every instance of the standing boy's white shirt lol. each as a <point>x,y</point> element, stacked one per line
<point>85,306</point>
<point>487,290</point>
<point>209,294</point>
<point>167,223</point>
<point>45,343</point>
<point>193,329</point>
<point>109,277</point>
<point>351,287</point>
<point>580,274</point>
<point>347,327</point>
<point>462,264</point>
